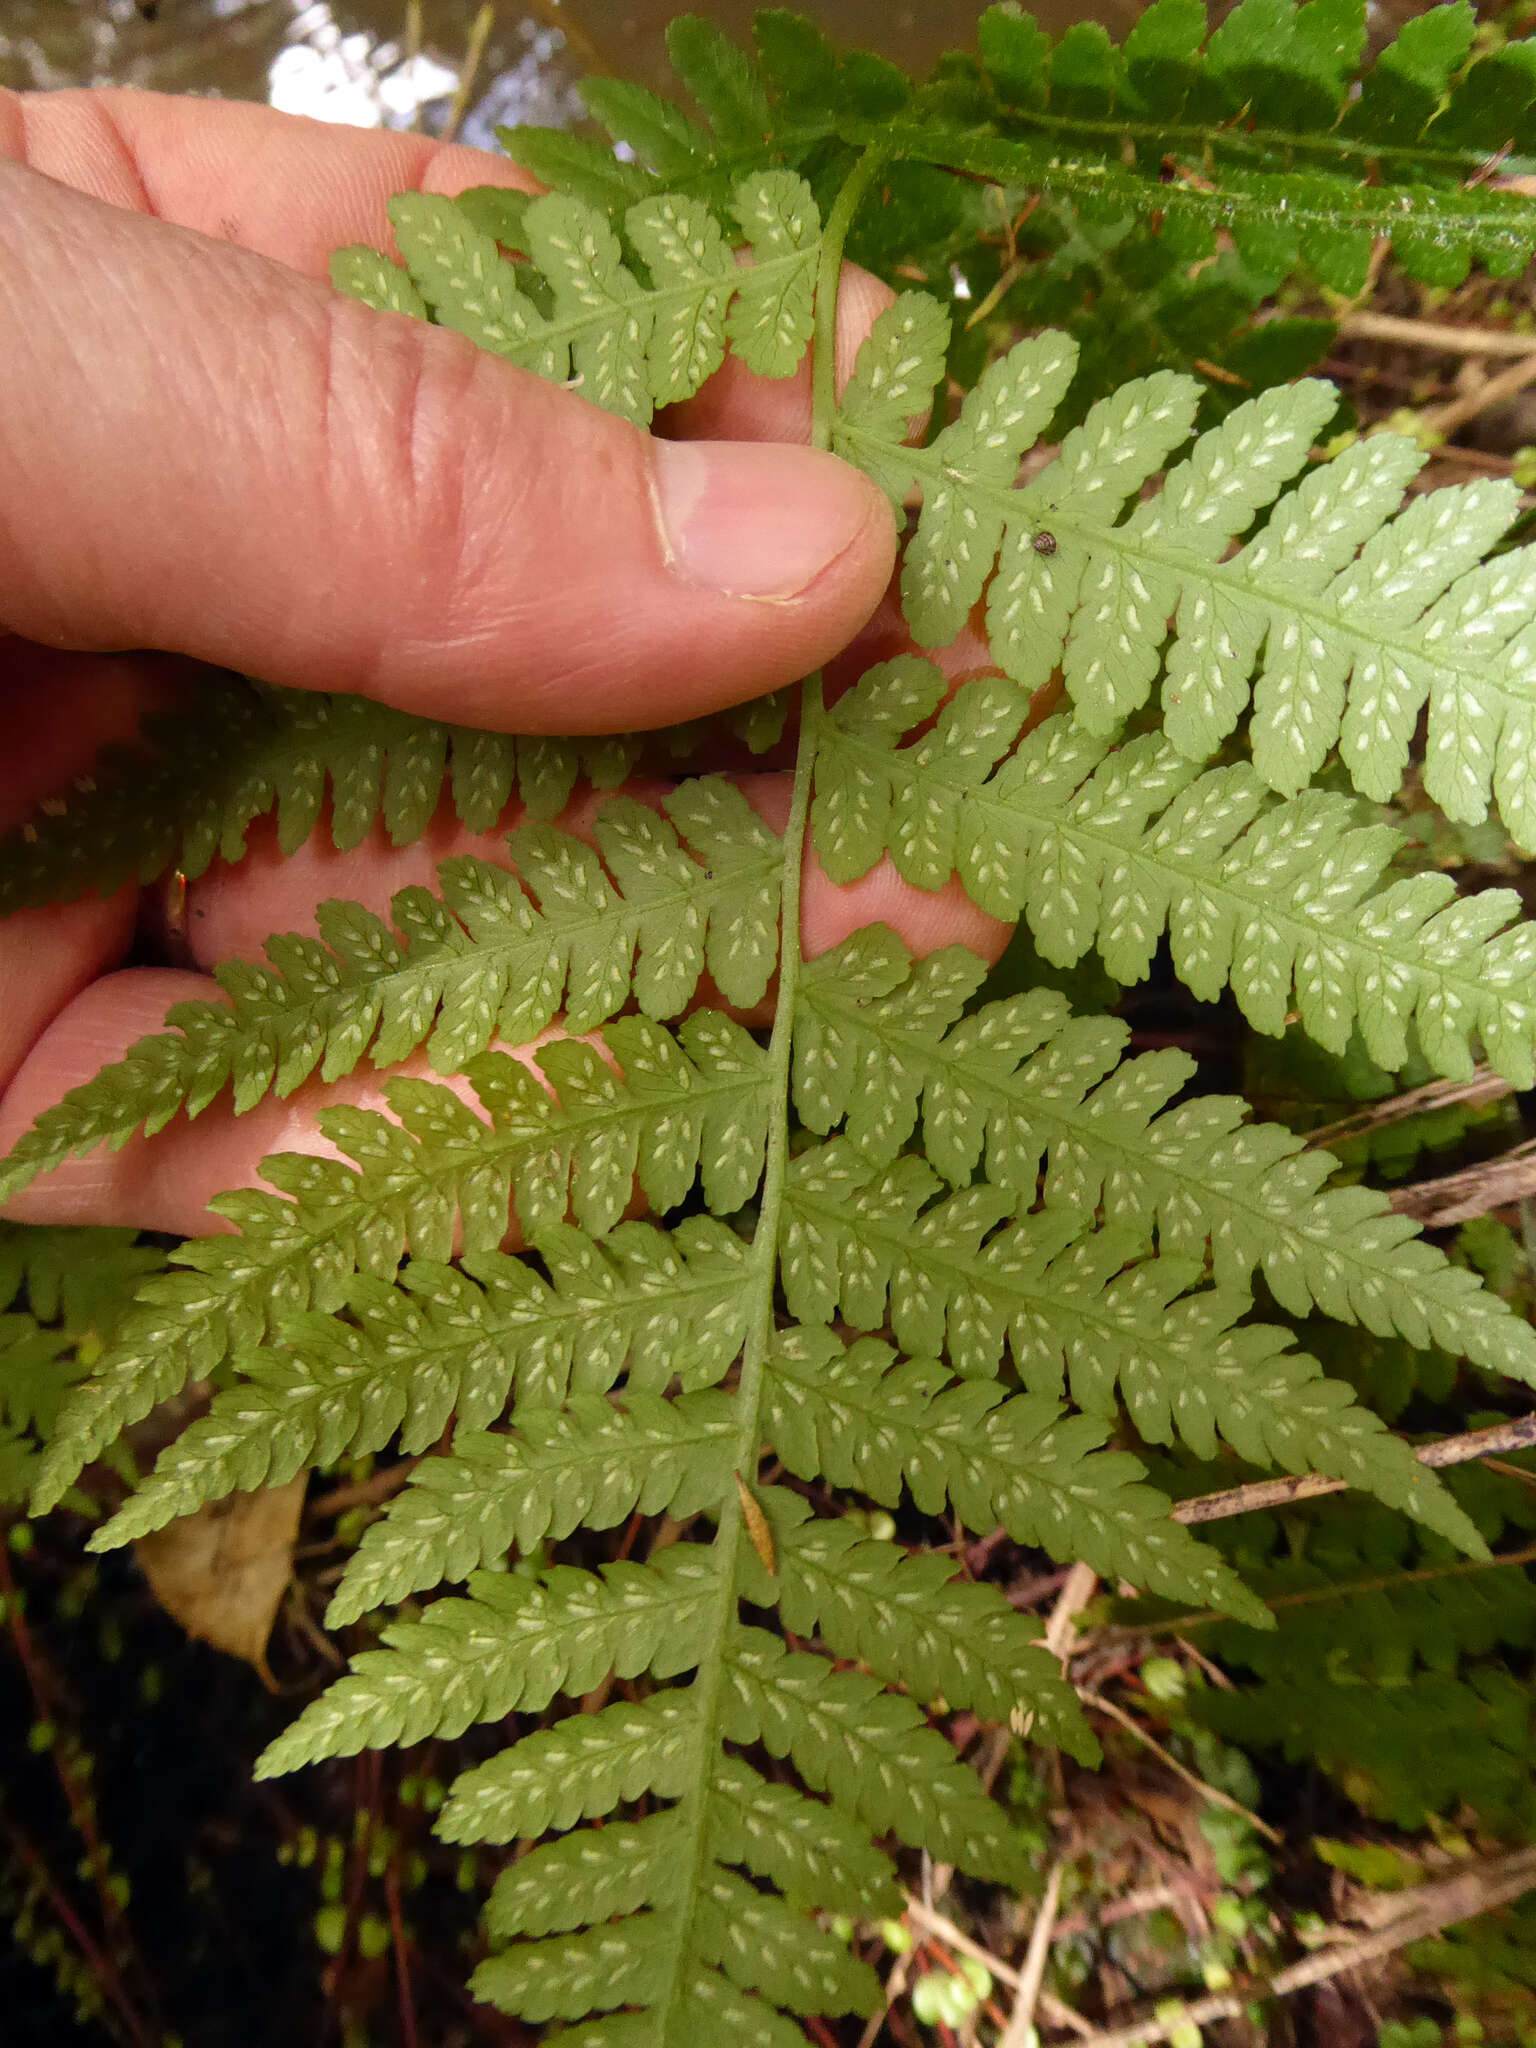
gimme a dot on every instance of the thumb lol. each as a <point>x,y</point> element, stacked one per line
<point>205,452</point>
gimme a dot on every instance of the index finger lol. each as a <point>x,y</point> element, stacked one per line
<point>284,186</point>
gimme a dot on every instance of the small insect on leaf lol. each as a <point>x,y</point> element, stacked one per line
<point>1044,543</point>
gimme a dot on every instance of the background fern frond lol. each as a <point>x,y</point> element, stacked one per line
<point>1262,110</point>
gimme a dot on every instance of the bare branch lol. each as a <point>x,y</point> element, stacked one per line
<point>1518,1435</point>
<point>1424,1911</point>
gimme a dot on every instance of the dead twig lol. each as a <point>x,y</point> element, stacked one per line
<point>479,36</point>
<point>1425,1911</point>
<point>366,1493</point>
<point>1484,1086</point>
<point>1449,419</point>
<point>1458,1197</point>
<point>1429,334</point>
<point>1020,2031</point>
<point>1518,1435</point>
<point>1211,1793</point>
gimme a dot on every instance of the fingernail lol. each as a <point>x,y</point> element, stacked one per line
<point>754,519</point>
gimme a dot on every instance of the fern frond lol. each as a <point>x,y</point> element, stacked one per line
<point>588,1464</point>
<point>190,790</point>
<point>513,1643</point>
<point>437,1348</point>
<point>1257,130</point>
<point>1098,845</point>
<point>1076,1304</point>
<point>910,1620</point>
<point>628,342</point>
<point>1433,1745</point>
<point>1260,115</point>
<point>864,1418</point>
<point>871,1751</point>
<point>578,1770</point>
<point>808,1848</point>
<point>681,1107</point>
<point>669,898</point>
<point>1023,1085</point>
<point>1338,619</point>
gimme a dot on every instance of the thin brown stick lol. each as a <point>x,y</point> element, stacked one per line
<point>115,1933</point>
<point>1425,1912</point>
<point>1430,334</point>
<point>1483,1086</point>
<point>1449,419</point>
<point>92,1956</point>
<point>1458,1197</point>
<point>895,1984</point>
<point>1518,1435</point>
<point>1212,1793</point>
<point>366,1493</point>
<point>400,1941</point>
<point>1020,2031</point>
<point>479,36</point>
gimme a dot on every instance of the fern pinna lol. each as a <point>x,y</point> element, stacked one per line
<point>915,1242</point>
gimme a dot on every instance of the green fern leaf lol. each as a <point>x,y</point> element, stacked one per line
<point>578,1770</point>
<point>1338,619</point>
<point>1071,1306</point>
<point>586,1877</point>
<point>909,1620</point>
<point>1021,1083</point>
<point>809,1849</point>
<point>870,1421</point>
<point>628,345</point>
<point>1096,845</point>
<point>589,1464</point>
<point>867,1749</point>
<point>453,972</point>
<point>688,1106</point>
<point>191,790</point>
<point>513,1643</point>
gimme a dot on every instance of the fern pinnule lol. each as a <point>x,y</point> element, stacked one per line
<point>626,344</point>
<point>192,786</point>
<point>585,1463</point>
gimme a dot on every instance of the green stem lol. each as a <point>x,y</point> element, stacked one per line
<point>762,1276</point>
<point>824,355</point>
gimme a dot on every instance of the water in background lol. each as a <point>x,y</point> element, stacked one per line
<point>346,60</point>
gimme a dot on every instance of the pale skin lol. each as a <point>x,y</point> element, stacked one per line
<point>205,450</point>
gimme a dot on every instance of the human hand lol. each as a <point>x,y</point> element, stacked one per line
<point>208,451</point>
